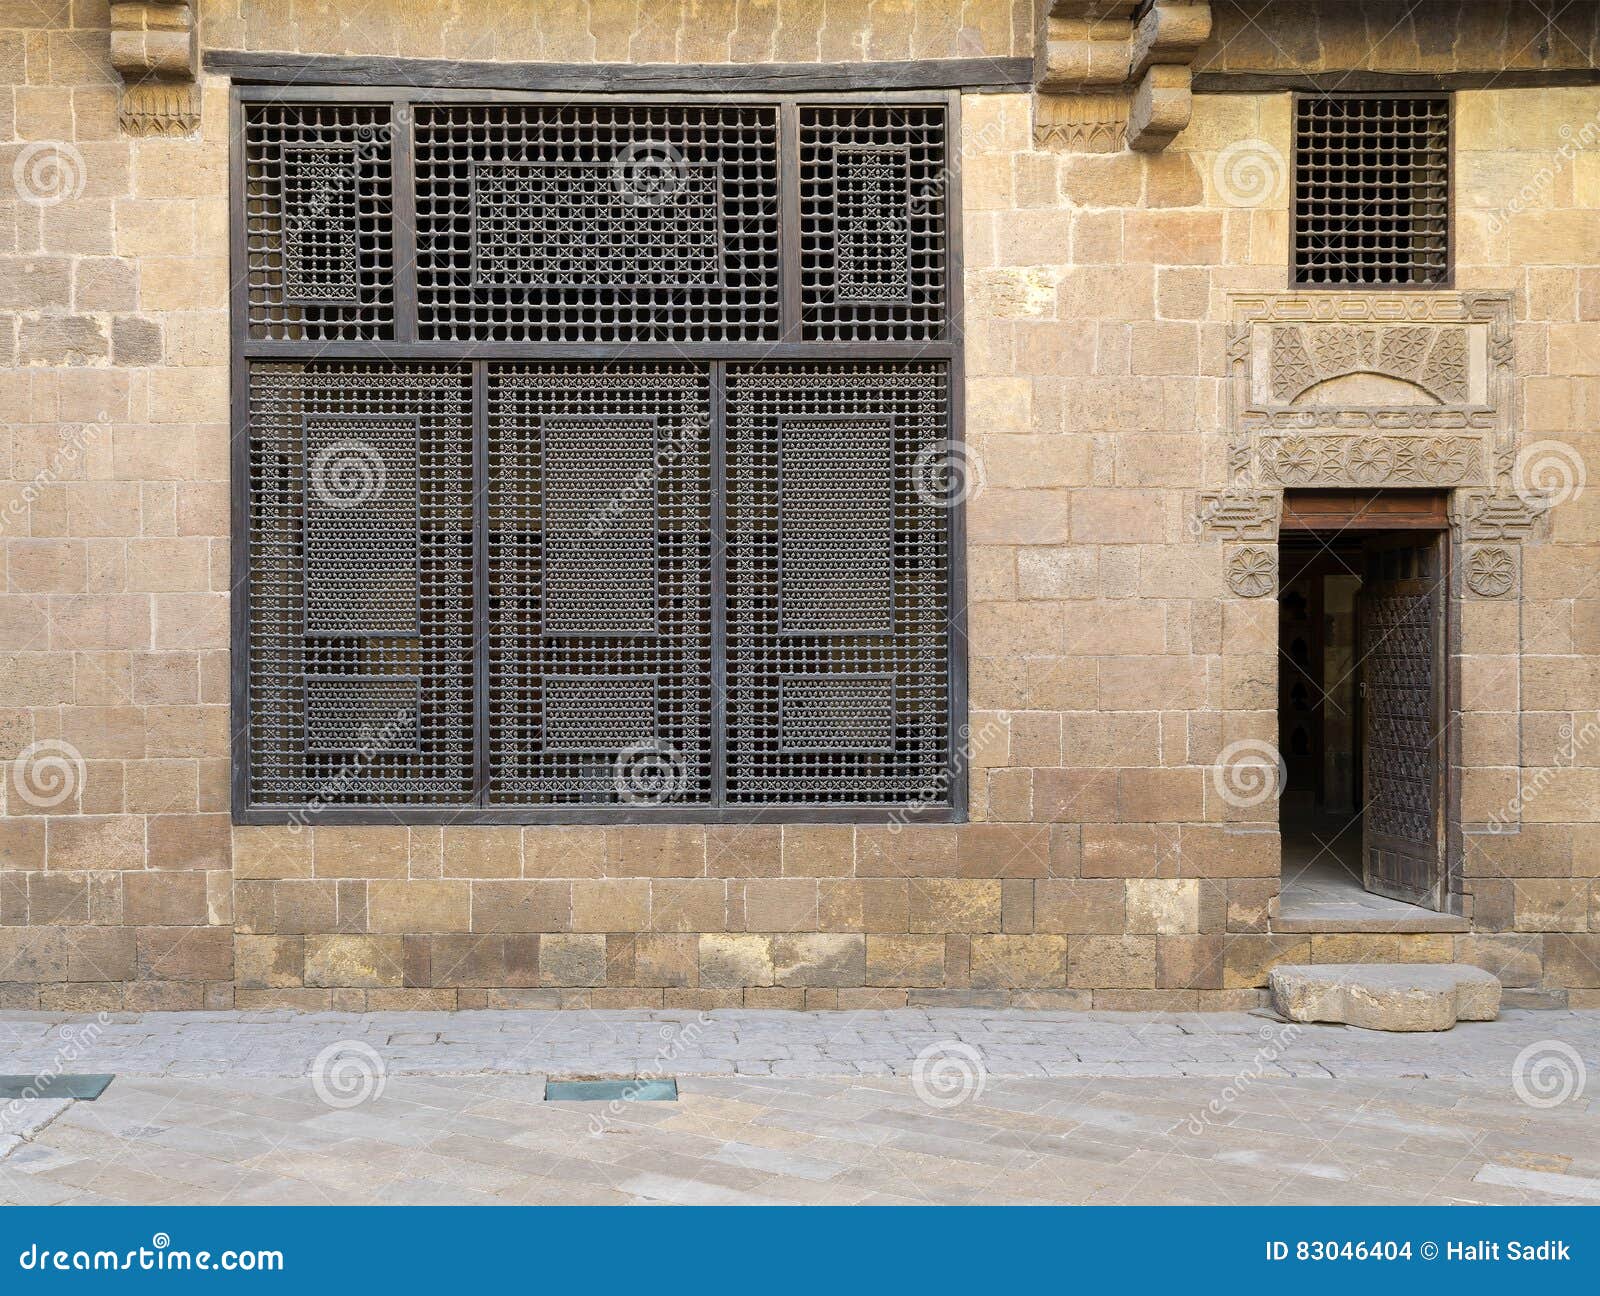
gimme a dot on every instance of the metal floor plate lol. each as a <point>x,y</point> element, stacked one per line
<point>85,1088</point>
<point>611,1091</point>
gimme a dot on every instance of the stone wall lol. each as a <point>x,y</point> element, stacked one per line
<point>1111,662</point>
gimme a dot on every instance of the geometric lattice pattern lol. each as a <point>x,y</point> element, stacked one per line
<point>319,236</point>
<point>599,573</point>
<point>361,526</point>
<point>1372,190</point>
<point>360,672</point>
<point>598,523</point>
<point>874,250</point>
<point>836,518</point>
<point>852,706</point>
<point>614,562</point>
<point>1399,675</point>
<point>597,222</point>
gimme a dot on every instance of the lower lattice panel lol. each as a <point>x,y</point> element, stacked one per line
<point>839,581</point>
<point>360,671</point>
<point>610,616</point>
<point>599,585</point>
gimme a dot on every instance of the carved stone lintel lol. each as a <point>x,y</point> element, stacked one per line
<point>1373,391</point>
<point>1095,47</point>
<point>154,49</point>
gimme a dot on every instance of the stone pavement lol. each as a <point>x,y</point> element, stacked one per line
<point>936,1106</point>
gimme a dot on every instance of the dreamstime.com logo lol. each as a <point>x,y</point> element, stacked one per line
<point>1249,772</point>
<point>45,774</point>
<point>1548,1073</point>
<point>948,1074</point>
<point>650,773</point>
<point>347,474</point>
<point>650,173</point>
<point>348,1073</point>
<point>48,172</point>
<point>158,1257</point>
<point>1249,173</point>
<point>945,475</point>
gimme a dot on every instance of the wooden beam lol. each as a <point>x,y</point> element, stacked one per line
<point>982,74</point>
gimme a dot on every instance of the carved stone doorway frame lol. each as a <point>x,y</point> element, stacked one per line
<point>1384,391</point>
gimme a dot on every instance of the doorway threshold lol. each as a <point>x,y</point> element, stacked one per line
<point>1324,897</point>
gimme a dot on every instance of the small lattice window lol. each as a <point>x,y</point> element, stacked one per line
<point>567,488</point>
<point>1372,190</point>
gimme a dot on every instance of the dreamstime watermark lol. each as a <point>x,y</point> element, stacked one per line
<point>1275,1042</point>
<point>1249,773</point>
<point>948,1074</point>
<point>968,742</point>
<point>73,1043</point>
<point>61,459</point>
<point>373,744</point>
<point>1549,472</point>
<point>347,473</point>
<point>676,1037</point>
<point>349,1073</point>
<point>1534,787</point>
<point>1249,173</point>
<point>947,474</point>
<point>1548,1073</point>
<point>650,773</point>
<point>49,172</point>
<point>649,173</point>
<point>46,774</point>
<point>690,438</point>
<point>1573,142</point>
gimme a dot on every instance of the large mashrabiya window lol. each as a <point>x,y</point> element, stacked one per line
<point>594,459</point>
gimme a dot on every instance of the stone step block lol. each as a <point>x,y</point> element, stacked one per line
<point>1386,996</point>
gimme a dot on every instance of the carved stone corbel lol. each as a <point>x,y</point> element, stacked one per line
<point>1134,51</point>
<point>155,50</point>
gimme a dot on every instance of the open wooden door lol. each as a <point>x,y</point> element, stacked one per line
<point>1403,717</point>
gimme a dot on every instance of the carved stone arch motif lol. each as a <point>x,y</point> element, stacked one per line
<point>1373,391</point>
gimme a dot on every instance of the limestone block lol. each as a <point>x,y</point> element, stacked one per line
<point>1386,997</point>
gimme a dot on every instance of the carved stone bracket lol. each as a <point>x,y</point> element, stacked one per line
<point>1496,515</point>
<point>154,49</point>
<point>1135,53</point>
<point>1239,515</point>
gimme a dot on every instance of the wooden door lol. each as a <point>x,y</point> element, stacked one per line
<point>1403,726</point>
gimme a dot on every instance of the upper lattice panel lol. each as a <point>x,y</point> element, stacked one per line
<point>319,234</point>
<point>873,244</point>
<point>598,223</point>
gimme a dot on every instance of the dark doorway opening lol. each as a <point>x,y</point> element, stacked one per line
<point>1362,705</point>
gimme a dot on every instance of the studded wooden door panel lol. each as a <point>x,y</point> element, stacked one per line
<point>1402,673</point>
